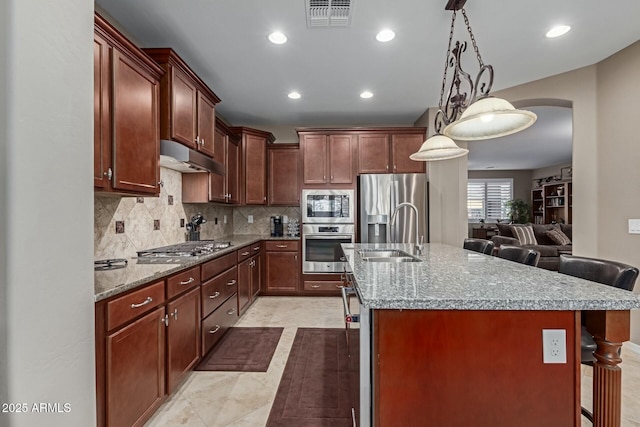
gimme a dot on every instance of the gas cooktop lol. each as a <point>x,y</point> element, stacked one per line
<point>184,250</point>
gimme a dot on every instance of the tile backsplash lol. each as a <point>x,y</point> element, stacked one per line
<point>125,225</point>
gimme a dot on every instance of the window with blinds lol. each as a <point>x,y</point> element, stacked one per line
<point>487,199</point>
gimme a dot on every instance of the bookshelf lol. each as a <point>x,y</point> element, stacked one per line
<point>552,203</point>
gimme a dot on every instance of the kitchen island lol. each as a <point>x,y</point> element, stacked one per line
<point>456,339</point>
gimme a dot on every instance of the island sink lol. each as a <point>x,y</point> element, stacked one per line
<point>387,255</point>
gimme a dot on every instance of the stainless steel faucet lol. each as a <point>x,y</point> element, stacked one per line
<point>419,241</point>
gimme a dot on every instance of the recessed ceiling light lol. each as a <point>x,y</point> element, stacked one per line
<point>558,31</point>
<point>366,94</point>
<point>294,95</point>
<point>277,37</point>
<point>385,36</point>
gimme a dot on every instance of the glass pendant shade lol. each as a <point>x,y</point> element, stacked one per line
<point>488,118</point>
<point>438,147</point>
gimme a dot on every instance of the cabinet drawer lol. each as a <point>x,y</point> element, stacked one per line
<point>244,253</point>
<point>255,248</point>
<point>216,324</point>
<point>218,289</point>
<point>129,306</point>
<point>282,245</point>
<point>216,266</point>
<point>183,281</point>
<point>322,286</point>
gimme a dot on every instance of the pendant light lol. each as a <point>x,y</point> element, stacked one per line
<point>469,116</point>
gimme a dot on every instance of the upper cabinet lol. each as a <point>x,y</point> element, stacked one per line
<point>253,177</point>
<point>388,151</point>
<point>126,115</point>
<point>284,175</point>
<point>188,105</point>
<point>327,158</point>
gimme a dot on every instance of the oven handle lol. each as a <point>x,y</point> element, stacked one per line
<point>348,317</point>
<point>330,237</point>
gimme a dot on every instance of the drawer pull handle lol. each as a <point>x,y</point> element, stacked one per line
<point>186,282</point>
<point>257,248</point>
<point>281,246</point>
<point>244,253</point>
<point>231,283</point>
<point>145,302</point>
<point>213,331</point>
<point>315,286</point>
<point>339,286</point>
<point>216,295</point>
<point>232,311</point>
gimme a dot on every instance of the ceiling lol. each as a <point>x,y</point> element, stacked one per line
<point>225,42</point>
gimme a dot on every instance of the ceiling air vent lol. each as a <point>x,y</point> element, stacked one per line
<point>329,13</point>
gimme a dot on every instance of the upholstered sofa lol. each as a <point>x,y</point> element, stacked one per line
<point>549,250</point>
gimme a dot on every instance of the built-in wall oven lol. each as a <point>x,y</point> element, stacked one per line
<point>321,252</point>
<point>328,206</point>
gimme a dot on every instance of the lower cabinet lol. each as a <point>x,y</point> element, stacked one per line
<point>183,337</point>
<point>248,276</point>
<point>217,323</point>
<point>135,370</point>
<point>282,266</point>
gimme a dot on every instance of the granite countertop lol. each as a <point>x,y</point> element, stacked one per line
<point>113,282</point>
<point>452,278</point>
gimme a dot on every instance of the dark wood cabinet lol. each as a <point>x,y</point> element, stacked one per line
<point>256,279</point>
<point>127,138</point>
<point>389,151</point>
<point>244,285</point>
<point>183,337</point>
<point>253,152</point>
<point>327,158</point>
<point>187,104</point>
<point>248,276</point>
<point>282,266</point>
<point>217,187</point>
<point>284,175</point>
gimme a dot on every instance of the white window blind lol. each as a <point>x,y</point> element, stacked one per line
<point>487,198</point>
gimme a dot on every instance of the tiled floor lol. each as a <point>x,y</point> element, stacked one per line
<point>243,399</point>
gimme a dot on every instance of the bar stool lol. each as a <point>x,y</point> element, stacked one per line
<point>609,273</point>
<point>519,254</point>
<point>478,245</point>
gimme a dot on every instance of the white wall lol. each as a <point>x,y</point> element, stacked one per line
<point>47,210</point>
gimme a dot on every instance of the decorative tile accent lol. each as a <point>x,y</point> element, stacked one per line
<point>119,227</point>
<point>156,224</point>
<point>139,199</point>
<point>170,200</point>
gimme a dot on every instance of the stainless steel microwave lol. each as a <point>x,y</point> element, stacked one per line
<point>328,206</point>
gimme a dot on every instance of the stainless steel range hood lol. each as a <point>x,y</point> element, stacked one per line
<point>176,156</point>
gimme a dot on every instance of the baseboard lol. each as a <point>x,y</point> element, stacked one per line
<point>632,346</point>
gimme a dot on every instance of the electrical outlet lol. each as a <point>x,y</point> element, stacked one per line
<point>250,219</point>
<point>224,219</point>
<point>634,226</point>
<point>554,346</point>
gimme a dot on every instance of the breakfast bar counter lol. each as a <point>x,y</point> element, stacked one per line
<point>456,338</point>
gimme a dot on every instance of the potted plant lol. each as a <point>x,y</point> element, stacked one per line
<point>518,211</point>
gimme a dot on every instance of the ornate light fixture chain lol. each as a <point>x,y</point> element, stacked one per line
<point>473,39</point>
<point>446,60</point>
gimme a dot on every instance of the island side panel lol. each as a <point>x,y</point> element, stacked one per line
<point>480,368</point>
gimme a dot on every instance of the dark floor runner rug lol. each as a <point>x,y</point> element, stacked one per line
<point>319,385</point>
<point>243,349</point>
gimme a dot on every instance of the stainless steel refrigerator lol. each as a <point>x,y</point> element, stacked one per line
<point>380,195</point>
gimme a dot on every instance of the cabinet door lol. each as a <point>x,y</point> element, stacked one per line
<point>136,131</point>
<point>101,113</point>
<point>402,146</point>
<point>340,159</point>
<point>373,153</point>
<point>220,146</point>
<point>284,189</point>
<point>183,337</point>
<point>244,285</point>
<point>217,189</point>
<point>255,161</point>
<point>135,370</point>
<point>206,126</point>
<point>232,179</point>
<point>282,271</point>
<point>314,152</point>
<point>255,277</point>
<point>183,108</point>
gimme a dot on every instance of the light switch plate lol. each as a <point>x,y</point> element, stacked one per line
<point>554,346</point>
<point>634,226</point>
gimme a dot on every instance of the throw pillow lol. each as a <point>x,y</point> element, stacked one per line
<point>524,234</point>
<point>558,237</point>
